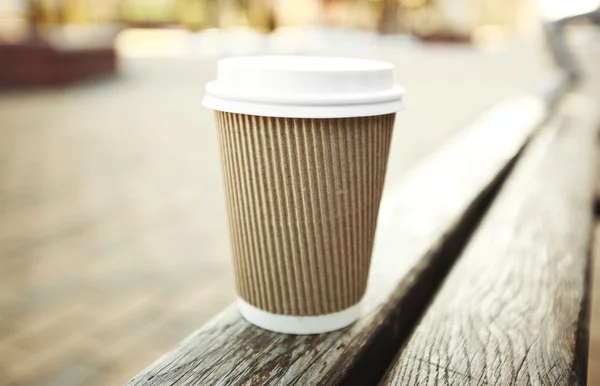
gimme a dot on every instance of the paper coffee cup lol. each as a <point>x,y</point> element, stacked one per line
<point>304,143</point>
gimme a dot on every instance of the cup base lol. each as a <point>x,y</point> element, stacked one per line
<point>298,325</point>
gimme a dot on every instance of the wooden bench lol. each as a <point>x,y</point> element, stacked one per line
<point>515,310</point>
<point>424,224</point>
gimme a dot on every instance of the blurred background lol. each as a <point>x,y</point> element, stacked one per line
<point>113,236</point>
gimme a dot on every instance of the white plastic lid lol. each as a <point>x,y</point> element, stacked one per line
<point>304,87</point>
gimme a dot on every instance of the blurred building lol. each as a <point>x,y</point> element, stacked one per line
<point>384,15</point>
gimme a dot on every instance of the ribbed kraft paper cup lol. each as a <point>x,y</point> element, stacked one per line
<point>302,196</point>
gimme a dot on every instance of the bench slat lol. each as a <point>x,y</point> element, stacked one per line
<point>422,223</point>
<point>514,309</point>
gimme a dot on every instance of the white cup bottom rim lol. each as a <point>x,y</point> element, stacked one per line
<point>298,325</point>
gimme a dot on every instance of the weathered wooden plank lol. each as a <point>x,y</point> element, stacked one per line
<point>422,223</point>
<point>514,308</point>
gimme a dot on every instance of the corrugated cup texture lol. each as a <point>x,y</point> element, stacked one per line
<point>302,198</point>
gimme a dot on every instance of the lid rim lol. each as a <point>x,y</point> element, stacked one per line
<point>395,93</point>
<point>303,111</point>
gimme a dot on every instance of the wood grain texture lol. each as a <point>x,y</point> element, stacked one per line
<point>422,223</point>
<point>514,309</point>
